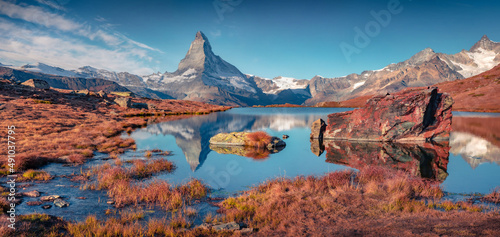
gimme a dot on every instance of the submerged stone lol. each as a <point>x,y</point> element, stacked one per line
<point>49,198</point>
<point>33,193</point>
<point>61,203</point>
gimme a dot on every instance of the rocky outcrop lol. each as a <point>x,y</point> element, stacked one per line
<point>123,102</point>
<point>410,115</point>
<point>37,83</point>
<point>317,129</point>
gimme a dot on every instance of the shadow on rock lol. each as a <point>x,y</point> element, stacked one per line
<point>426,160</point>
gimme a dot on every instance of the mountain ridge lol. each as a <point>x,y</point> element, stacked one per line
<point>204,76</point>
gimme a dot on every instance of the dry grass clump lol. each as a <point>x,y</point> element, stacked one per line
<point>108,175</point>
<point>373,200</point>
<point>493,197</point>
<point>450,206</point>
<point>34,225</point>
<point>258,139</point>
<point>124,226</point>
<point>4,205</point>
<point>124,186</point>
<point>31,175</point>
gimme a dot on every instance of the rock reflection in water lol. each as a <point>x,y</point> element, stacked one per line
<point>427,160</point>
<point>255,153</point>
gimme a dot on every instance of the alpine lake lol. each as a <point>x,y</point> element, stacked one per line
<point>468,164</point>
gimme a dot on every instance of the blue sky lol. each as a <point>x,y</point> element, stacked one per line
<point>268,38</point>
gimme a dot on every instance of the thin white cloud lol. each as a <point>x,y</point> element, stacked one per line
<point>216,33</point>
<point>100,19</point>
<point>37,15</point>
<point>54,39</point>
<point>27,46</point>
<point>54,4</point>
<point>40,16</point>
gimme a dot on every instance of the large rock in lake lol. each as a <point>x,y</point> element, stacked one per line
<point>254,139</point>
<point>409,115</point>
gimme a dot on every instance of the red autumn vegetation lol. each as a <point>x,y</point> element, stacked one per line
<point>57,126</point>
<point>257,153</point>
<point>258,139</point>
<point>124,186</point>
<point>375,201</point>
<point>493,197</point>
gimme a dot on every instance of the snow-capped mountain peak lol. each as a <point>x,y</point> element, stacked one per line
<point>201,63</point>
<point>46,69</point>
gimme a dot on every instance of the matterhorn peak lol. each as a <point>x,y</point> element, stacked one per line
<point>199,50</point>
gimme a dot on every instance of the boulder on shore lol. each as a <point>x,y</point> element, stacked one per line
<point>37,83</point>
<point>123,102</point>
<point>317,129</point>
<point>409,115</point>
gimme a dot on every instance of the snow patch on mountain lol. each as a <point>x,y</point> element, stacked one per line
<point>358,84</point>
<point>284,83</point>
<point>484,60</point>
<point>155,77</point>
<point>46,69</point>
<point>187,75</point>
<point>230,79</point>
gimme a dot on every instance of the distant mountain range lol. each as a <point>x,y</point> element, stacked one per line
<point>204,76</point>
<point>62,82</point>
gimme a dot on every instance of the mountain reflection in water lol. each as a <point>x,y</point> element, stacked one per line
<point>475,139</point>
<point>192,135</point>
<point>474,155</point>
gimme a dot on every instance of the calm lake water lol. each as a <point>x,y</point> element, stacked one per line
<point>469,163</point>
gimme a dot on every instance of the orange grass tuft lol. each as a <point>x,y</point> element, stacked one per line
<point>258,139</point>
